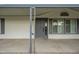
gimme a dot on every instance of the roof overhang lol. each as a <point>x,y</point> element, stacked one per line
<point>39,5</point>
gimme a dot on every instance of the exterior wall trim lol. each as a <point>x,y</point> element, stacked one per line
<point>38,5</point>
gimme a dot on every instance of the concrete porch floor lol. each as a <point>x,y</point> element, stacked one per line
<point>40,46</point>
<point>57,46</point>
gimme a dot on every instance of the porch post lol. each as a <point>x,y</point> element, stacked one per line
<point>34,27</point>
<point>30,30</point>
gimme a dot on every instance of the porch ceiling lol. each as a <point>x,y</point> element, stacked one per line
<point>53,12</point>
<point>39,11</point>
<point>14,11</point>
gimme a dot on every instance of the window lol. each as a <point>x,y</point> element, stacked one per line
<point>55,26</point>
<point>2,25</point>
<point>64,14</point>
<point>73,26</point>
<point>63,26</point>
<point>67,26</point>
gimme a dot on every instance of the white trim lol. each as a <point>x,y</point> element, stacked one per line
<point>48,25</point>
<point>34,20</point>
<point>39,5</point>
<point>70,25</point>
<point>76,25</point>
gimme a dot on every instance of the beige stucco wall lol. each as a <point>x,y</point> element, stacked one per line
<point>16,27</point>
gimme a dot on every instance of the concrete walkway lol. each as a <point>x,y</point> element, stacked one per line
<point>40,46</point>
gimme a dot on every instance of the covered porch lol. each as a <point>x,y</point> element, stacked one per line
<point>40,23</point>
<point>43,22</point>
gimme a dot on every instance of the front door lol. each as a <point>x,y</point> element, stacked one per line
<point>41,28</point>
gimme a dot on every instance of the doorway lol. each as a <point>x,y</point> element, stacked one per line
<point>41,28</point>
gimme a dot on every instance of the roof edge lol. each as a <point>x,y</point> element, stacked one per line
<point>39,5</point>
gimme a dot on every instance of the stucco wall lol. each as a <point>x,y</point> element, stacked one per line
<point>16,27</point>
<point>63,36</point>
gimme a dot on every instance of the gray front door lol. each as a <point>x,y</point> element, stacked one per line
<point>41,28</point>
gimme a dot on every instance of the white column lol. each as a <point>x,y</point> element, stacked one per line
<point>30,30</point>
